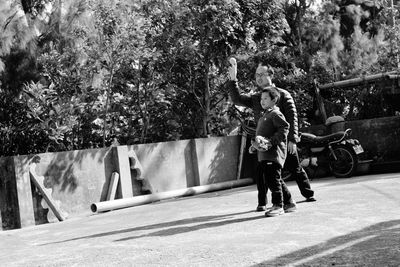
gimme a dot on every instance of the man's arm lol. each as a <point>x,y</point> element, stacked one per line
<point>233,87</point>
<point>236,97</point>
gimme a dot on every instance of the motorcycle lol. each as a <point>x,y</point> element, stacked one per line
<point>337,152</point>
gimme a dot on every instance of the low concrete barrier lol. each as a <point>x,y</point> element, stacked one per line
<point>79,178</point>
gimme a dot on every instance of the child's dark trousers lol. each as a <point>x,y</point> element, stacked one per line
<point>269,177</point>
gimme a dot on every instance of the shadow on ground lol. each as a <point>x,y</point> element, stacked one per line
<point>185,229</point>
<point>209,221</point>
<point>376,244</point>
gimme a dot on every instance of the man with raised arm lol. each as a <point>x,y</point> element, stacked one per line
<point>286,104</point>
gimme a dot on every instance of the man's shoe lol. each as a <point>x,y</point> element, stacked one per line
<point>291,207</point>
<point>274,211</point>
<point>311,199</point>
<point>260,208</point>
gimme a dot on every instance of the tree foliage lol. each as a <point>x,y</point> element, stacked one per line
<point>78,74</point>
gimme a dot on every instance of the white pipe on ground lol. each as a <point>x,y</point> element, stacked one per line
<point>145,199</point>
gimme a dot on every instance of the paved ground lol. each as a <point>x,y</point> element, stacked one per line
<point>355,222</point>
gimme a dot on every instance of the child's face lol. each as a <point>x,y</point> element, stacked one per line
<point>266,101</point>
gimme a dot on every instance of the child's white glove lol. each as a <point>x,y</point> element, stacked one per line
<point>263,143</point>
<point>259,144</point>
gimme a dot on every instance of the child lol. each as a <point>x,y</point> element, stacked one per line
<point>271,140</point>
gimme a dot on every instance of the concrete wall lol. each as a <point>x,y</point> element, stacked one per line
<point>76,179</point>
<point>8,195</point>
<point>380,137</point>
<point>174,165</point>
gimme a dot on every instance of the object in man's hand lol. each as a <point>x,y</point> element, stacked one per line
<point>263,142</point>
<point>232,60</point>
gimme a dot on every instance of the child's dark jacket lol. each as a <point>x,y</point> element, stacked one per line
<point>286,105</point>
<point>273,126</point>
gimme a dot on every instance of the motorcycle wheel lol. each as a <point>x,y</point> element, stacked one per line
<point>346,162</point>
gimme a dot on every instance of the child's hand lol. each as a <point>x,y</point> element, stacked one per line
<point>252,150</point>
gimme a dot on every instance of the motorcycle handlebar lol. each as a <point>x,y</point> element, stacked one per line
<point>346,134</point>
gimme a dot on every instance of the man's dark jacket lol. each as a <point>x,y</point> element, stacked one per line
<point>286,106</point>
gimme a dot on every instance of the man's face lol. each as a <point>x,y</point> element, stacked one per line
<point>263,77</point>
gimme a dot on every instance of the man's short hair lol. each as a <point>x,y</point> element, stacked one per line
<point>271,71</point>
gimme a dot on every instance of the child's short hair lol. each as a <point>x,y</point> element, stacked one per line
<point>273,92</point>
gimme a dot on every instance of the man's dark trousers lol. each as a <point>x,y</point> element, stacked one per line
<point>292,164</point>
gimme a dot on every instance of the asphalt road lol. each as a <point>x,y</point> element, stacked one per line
<point>355,222</point>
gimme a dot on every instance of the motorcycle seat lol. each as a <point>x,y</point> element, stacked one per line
<point>307,138</point>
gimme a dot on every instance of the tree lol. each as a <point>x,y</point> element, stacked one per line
<point>201,36</point>
<point>357,46</point>
<point>80,73</point>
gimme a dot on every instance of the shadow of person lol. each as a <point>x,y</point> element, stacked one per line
<point>185,229</point>
<point>226,218</point>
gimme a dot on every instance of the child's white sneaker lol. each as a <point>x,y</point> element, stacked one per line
<point>274,211</point>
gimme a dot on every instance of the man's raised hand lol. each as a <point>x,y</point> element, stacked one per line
<point>232,69</point>
<point>292,147</point>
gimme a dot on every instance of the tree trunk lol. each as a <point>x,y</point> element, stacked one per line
<point>106,108</point>
<point>146,118</point>
<point>143,111</point>
<point>299,11</point>
<point>207,100</point>
<point>392,13</point>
